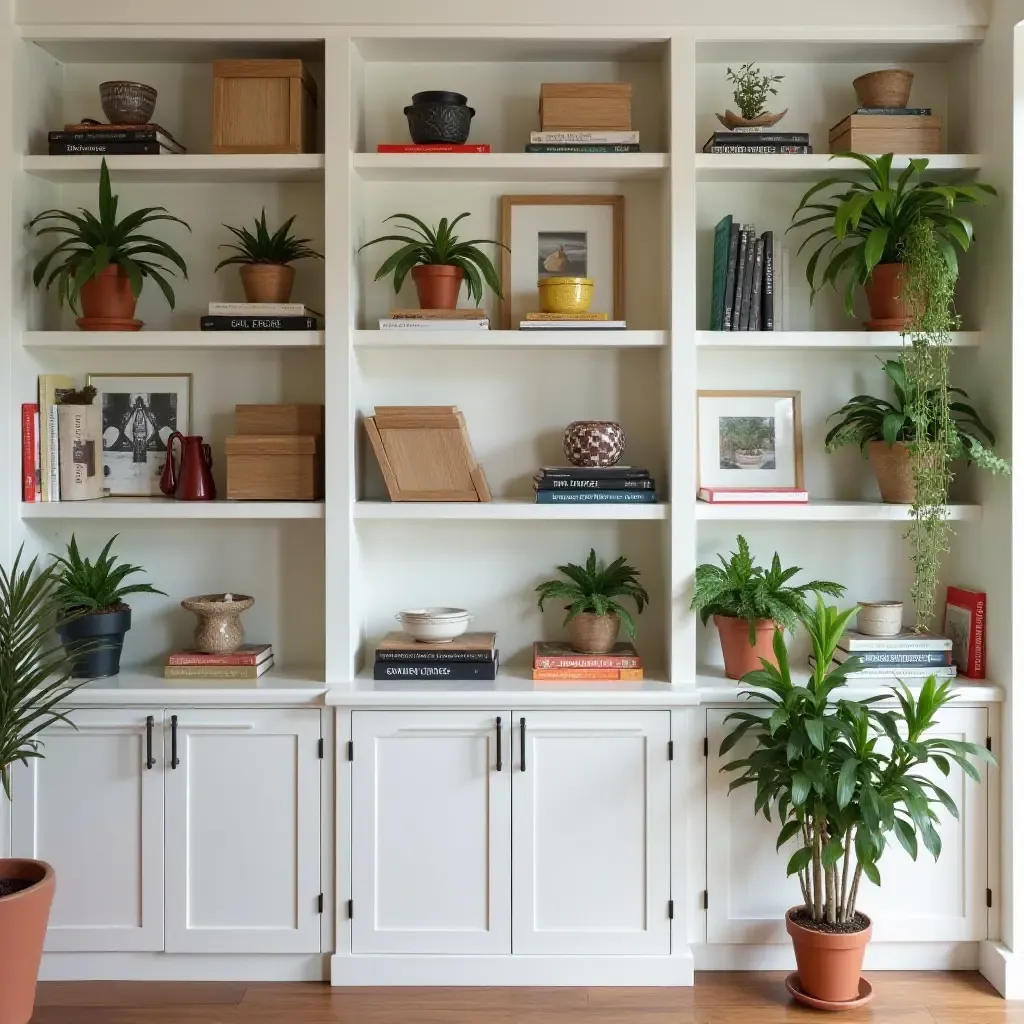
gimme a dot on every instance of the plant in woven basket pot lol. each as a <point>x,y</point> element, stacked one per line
<point>100,263</point>
<point>265,259</point>
<point>751,605</point>
<point>593,615</point>
<point>844,778</point>
<point>439,262</point>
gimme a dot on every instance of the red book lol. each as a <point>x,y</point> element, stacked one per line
<point>29,445</point>
<point>387,147</point>
<point>247,655</point>
<point>753,495</point>
<point>965,626</point>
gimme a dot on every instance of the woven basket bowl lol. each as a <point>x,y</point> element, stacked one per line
<point>890,88</point>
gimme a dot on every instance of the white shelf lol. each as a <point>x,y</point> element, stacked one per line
<point>502,509</point>
<point>508,339</point>
<point>225,168</point>
<point>508,166</point>
<point>812,166</point>
<point>168,508</point>
<point>140,340</point>
<point>868,341</point>
<point>825,511</point>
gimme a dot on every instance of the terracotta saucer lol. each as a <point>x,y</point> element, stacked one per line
<point>896,323</point>
<point>864,995</point>
<point>105,323</point>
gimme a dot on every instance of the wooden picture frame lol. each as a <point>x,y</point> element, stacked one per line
<point>615,288</point>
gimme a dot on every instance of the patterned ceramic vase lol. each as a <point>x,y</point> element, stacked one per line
<point>438,117</point>
<point>593,442</point>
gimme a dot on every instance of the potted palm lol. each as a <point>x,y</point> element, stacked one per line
<point>92,608</point>
<point>101,263</point>
<point>265,259</point>
<point>593,615</point>
<point>750,605</point>
<point>844,778</point>
<point>439,262</point>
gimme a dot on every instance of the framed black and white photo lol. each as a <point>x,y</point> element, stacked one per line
<point>749,439</point>
<point>561,236</point>
<point>140,412</point>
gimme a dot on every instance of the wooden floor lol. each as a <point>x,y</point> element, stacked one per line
<point>717,998</point>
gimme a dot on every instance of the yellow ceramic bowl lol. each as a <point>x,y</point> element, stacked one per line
<point>565,294</point>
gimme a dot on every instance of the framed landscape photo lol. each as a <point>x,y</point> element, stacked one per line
<point>561,236</point>
<point>749,439</point>
<point>140,412</point>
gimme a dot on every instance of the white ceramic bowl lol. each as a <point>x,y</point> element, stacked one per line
<point>435,625</point>
<point>880,618</point>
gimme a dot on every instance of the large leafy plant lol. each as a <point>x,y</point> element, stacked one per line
<point>260,246</point>
<point>594,588</point>
<point>843,776</point>
<point>90,244</point>
<point>740,589</point>
<point>442,246</point>
<point>83,586</point>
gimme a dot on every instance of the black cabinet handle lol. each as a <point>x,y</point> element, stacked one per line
<point>522,744</point>
<point>150,760</point>
<point>497,728</point>
<point>174,741</point>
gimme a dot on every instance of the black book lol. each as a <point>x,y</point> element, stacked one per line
<point>754,324</point>
<point>108,135</point>
<point>393,657</point>
<point>730,276</point>
<point>258,323</point>
<point>761,147</point>
<point>758,139</point>
<point>896,111</point>
<point>768,286</point>
<point>741,266</point>
<point>748,281</point>
<point>107,148</point>
<point>583,483</point>
<point>594,472</point>
<point>485,670</point>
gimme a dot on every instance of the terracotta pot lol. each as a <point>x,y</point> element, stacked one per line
<point>884,293</point>
<point>108,303</point>
<point>740,657</point>
<point>891,464</point>
<point>593,634</point>
<point>828,963</point>
<point>23,919</point>
<point>267,282</point>
<point>437,285</point>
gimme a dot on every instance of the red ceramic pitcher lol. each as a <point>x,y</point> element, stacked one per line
<point>192,480</point>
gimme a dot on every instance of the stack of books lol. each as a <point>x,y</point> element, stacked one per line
<point>570,322</point>
<point>250,661</point>
<point>594,485</point>
<point>41,442</point>
<point>558,661</point>
<point>570,141</point>
<point>907,656</point>
<point>435,320</point>
<point>112,140</point>
<point>758,140</point>
<point>743,278</point>
<point>472,656</point>
<point>433,147</point>
<point>259,316</point>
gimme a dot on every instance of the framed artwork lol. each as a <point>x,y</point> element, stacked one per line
<point>140,412</point>
<point>749,439</point>
<point>561,236</point>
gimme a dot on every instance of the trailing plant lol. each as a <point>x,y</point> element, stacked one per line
<point>438,246</point>
<point>752,89</point>
<point>261,246</point>
<point>740,589</point>
<point>91,244</point>
<point>594,588</point>
<point>843,776</point>
<point>83,587</point>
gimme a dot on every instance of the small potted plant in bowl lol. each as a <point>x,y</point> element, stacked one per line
<point>265,259</point>
<point>752,89</point>
<point>750,605</point>
<point>439,262</point>
<point>593,615</point>
<point>844,777</point>
<point>101,263</point>
<point>92,608</point>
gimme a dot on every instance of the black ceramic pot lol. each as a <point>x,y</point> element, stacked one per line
<point>101,635</point>
<point>438,117</point>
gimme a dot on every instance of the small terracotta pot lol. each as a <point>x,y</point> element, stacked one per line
<point>437,285</point>
<point>828,963</point>
<point>593,634</point>
<point>23,919</point>
<point>884,291</point>
<point>108,297</point>
<point>891,464</point>
<point>267,282</point>
<point>740,657</point>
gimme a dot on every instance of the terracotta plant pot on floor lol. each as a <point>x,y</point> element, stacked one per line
<point>23,918</point>
<point>267,282</point>
<point>108,303</point>
<point>740,657</point>
<point>829,963</point>
<point>437,285</point>
<point>884,293</point>
<point>590,633</point>
<point>891,463</point>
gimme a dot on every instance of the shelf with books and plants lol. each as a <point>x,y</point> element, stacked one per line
<point>177,339</point>
<point>853,340</point>
<point>504,509</point>
<point>145,508</point>
<point>824,511</point>
<point>198,168</point>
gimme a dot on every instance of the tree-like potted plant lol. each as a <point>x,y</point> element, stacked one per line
<point>101,262</point>
<point>92,608</point>
<point>751,604</point>
<point>593,615</point>
<point>265,260</point>
<point>752,89</point>
<point>885,430</point>
<point>844,777</point>
<point>439,262</point>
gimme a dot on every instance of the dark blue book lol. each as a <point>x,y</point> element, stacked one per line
<point>896,111</point>
<point>603,496</point>
<point>585,483</point>
<point>486,670</point>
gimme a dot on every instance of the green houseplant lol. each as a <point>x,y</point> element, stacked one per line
<point>103,262</point>
<point>92,608</point>
<point>752,89</point>
<point>264,259</point>
<point>439,262</point>
<point>593,614</point>
<point>750,604</point>
<point>844,777</point>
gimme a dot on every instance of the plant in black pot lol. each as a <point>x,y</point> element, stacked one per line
<point>439,118</point>
<point>93,610</point>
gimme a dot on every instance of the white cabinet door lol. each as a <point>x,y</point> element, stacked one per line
<point>243,830</point>
<point>431,821</point>
<point>941,901</point>
<point>94,810</point>
<point>591,805</point>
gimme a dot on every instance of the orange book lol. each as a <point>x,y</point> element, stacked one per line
<point>589,674</point>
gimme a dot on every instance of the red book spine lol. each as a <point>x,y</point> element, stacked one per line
<point>212,659</point>
<point>386,147</point>
<point>567,661</point>
<point>969,643</point>
<point>976,652</point>
<point>29,441</point>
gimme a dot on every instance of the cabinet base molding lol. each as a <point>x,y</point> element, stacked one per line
<point>184,967</point>
<point>880,956</point>
<point>394,970</point>
<point>1003,968</point>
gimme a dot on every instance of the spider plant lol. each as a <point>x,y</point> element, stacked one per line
<point>280,248</point>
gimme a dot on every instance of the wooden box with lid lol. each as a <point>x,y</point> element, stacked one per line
<point>277,454</point>
<point>586,106</point>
